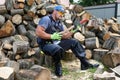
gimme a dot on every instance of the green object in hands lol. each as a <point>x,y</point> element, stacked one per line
<point>56,36</point>
<point>73,31</point>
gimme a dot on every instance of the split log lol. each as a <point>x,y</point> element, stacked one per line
<point>36,21</point>
<point>112,58</point>
<point>17,19</point>
<point>3,9</point>
<point>71,7</point>
<point>7,29</point>
<point>2,20</point>
<point>38,1</point>
<point>64,3</point>
<point>105,76</point>
<point>21,29</point>
<point>20,47</point>
<point>92,43</point>
<point>17,11</point>
<point>99,53</point>
<point>116,70</point>
<point>13,64</point>
<point>7,46</point>
<point>88,54</point>
<point>25,63</point>
<point>31,35</point>
<point>20,38</point>
<point>108,44</point>
<point>36,73</point>
<point>8,73</point>
<point>30,27</point>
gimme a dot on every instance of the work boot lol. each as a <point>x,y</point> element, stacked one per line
<point>86,65</point>
<point>58,69</point>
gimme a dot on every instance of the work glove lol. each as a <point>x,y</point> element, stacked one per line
<point>56,36</point>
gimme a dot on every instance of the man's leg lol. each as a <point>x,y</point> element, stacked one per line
<point>78,50</point>
<point>56,52</point>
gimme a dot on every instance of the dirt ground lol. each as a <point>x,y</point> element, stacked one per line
<point>72,71</point>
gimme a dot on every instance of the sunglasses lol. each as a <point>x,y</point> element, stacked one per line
<point>60,13</point>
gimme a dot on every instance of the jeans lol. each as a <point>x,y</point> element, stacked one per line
<point>73,44</point>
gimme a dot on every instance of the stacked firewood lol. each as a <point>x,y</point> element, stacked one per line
<point>18,46</point>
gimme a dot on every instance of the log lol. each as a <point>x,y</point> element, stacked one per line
<point>69,56</point>
<point>3,9</point>
<point>65,3</point>
<point>105,76</point>
<point>11,55</point>
<point>17,19</point>
<point>41,12</point>
<point>31,35</point>
<point>108,44</point>
<point>50,8</point>
<point>20,47</point>
<point>13,64</point>
<point>21,29</point>
<point>89,34</point>
<point>8,16</point>
<point>27,18</point>
<point>30,2</point>
<point>8,39</point>
<point>67,15</point>
<point>25,63</point>
<point>36,73</point>
<point>99,70</point>
<point>19,5</point>
<point>36,20</point>
<point>88,54</point>
<point>112,59</point>
<point>68,23</point>
<point>79,37</point>
<point>7,46</point>
<point>2,2</point>
<point>38,2</point>
<point>31,12</point>
<point>116,70</point>
<point>21,1</point>
<point>20,38</point>
<point>48,61</point>
<point>8,73</point>
<point>92,43</point>
<point>9,4</point>
<point>78,8</point>
<point>2,20</point>
<point>99,53</point>
<point>7,29</point>
<point>17,11</point>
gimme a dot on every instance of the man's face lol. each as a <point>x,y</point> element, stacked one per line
<point>59,15</point>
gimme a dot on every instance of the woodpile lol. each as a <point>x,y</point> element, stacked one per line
<point>19,19</point>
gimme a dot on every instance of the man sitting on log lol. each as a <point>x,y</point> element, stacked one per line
<point>54,43</point>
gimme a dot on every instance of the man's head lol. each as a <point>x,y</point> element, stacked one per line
<point>59,11</point>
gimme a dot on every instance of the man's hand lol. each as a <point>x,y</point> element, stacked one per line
<point>56,36</point>
<point>67,35</point>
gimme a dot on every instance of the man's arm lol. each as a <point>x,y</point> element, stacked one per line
<point>40,32</point>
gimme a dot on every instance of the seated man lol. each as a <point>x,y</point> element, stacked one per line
<point>55,44</point>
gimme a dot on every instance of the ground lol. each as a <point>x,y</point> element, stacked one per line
<point>72,71</point>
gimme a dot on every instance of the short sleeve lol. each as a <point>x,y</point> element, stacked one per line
<point>44,22</point>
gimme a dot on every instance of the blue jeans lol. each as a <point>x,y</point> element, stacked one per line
<point>73,44</point>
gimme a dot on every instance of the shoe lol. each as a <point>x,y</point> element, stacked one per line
<point>93,65</point>
<point>58,70</point>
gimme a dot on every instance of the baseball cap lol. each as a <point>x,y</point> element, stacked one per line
<point>59,8</point>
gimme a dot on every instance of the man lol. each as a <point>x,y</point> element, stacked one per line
<point>55,44</point>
